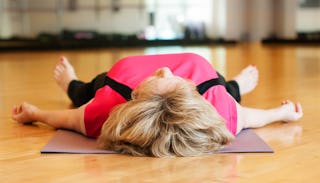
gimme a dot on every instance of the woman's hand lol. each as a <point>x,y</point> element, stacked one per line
<point>291,111</point>
<point>24,113</point>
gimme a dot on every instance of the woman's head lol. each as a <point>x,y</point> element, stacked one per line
<point>166,117</point>
<point>162,81</point>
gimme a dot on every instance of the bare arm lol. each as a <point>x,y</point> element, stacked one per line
<point>255,118</point>
<point>71,119</point>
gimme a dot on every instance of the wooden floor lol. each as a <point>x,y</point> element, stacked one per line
<point>285,72</point>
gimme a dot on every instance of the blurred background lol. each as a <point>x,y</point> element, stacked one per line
<point>52,24</point>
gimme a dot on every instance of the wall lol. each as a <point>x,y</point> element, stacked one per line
<point>257,19</point>
<point>236,23</point>
<point>285,18</point>
<point>5,25</point>
<point>231,19</point>
<point>308,19</point>
<point>44,16</point>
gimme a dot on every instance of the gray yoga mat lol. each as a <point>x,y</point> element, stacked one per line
<point>247,141</point>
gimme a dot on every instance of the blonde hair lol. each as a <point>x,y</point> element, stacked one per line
<point>176,123</point>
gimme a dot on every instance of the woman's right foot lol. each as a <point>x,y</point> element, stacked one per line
<point>247,79</point>
<point>64,74</point>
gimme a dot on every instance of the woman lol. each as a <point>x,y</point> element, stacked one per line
<point>158,105</point>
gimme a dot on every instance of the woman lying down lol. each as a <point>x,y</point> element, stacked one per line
<point>158,105</point>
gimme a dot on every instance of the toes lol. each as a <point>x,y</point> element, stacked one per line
<point>59,68</point>
<point>251,70</point>
<point>254,71</point>
<point>64,62</point>
<point>63,59</point>
<point>57,71</point>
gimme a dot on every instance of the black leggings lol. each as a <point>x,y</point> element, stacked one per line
<point>80,92</point>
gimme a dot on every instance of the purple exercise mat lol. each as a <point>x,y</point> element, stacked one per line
<point>247,141</point>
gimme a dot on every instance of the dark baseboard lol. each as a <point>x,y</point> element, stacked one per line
<point>18,44</point>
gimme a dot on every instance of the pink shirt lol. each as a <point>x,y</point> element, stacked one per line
<point>132,70</point>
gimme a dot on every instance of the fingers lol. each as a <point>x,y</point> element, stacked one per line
<point>297,106</point>
<point>298,109</point>
<point>289,102</point>
<point>23,113</point>
<point>285,102</point>
<point>16,110</point>
<point>293,110</point>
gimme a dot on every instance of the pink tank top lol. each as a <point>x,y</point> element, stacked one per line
<point>130,71</point>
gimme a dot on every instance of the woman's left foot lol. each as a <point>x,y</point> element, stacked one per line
<point>247,79</point>
<point>64,74</point>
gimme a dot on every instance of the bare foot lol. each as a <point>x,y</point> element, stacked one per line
<point>247,79</point>
<point>64,74</point>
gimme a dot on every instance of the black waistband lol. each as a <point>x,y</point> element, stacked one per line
<point>203,87</point>
<point>125,91</point>
<point>122,89</point>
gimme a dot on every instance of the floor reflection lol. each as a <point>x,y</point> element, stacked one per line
<point>285,134</point>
